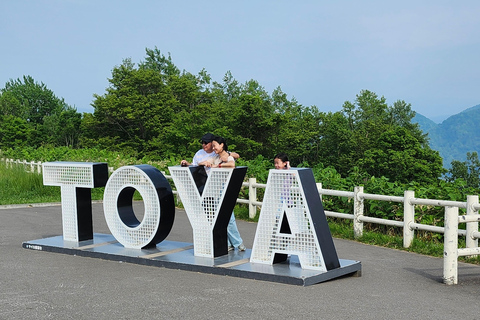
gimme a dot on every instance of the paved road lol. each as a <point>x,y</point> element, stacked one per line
<point>43,285</point>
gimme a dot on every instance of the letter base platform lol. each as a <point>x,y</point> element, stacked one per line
<point>179,255</point>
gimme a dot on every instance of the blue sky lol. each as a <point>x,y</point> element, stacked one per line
<point>321,53</point>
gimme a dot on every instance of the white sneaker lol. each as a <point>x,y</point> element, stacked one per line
<point>230,248</point>
<point>241,247</point>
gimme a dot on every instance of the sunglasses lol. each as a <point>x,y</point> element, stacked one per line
<point>204,142</point>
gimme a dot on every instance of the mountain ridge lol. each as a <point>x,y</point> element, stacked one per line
<point>455,136</point>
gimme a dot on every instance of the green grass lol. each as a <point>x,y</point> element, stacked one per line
<point>18,187</point>
<point>241,212</point>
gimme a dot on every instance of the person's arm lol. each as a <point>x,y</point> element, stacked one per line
<point>185,163</point>
<point>230,163</point>
<point>206,163</point>
<point>235,155</point>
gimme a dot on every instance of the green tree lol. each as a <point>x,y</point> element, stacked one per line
<point>379,140</point>
<point>401,114</point>
<point>14,132</point>
<point>63,127</point>
<point>35,99</point>
<point>337,144</point>
<point>468,171</point>
<point>244,114</point>
<point>133,110</point>
<point>35,108</point>
<point>252,123</point>
<point>149,109</point>
<point>400,157</point>
<point>11,106</point>
<point>297,129</point>
<point>158,62</point>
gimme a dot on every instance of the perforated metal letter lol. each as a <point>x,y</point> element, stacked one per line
<point>208,206</point>
<point>76,180</point>
<point>292,221</point>
<point>158,200</point>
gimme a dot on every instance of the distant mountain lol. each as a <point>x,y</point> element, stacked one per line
<point>425,124</point>
<point>455,136</point>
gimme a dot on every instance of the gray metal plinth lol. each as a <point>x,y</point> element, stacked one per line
<point>179,255</point>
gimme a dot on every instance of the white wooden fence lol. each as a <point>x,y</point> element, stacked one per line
<point>31,166</point>
<point>451,230</point>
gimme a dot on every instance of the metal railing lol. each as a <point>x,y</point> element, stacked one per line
<point>450,231</point>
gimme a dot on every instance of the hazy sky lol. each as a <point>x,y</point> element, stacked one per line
<point>319,52</point>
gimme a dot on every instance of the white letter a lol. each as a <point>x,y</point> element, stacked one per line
<point>293,194</point>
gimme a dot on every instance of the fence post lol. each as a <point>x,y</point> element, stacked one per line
<point>252,196</point>
<point>471,242</point>
<point>408,218</point>
<point>450,246</point>
<point>319,189</point>
<point>357,212</point>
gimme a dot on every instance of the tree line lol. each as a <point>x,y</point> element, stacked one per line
<point>153,109</point>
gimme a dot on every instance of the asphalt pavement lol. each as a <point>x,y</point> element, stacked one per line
<point>46,285</point>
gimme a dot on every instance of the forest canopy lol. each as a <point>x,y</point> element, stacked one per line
<point>153,109</point>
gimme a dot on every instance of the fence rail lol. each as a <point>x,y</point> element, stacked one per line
<point>451,230</point>
<point>31,166</point>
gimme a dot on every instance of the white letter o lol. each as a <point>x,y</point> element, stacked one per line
<point>157,198</point>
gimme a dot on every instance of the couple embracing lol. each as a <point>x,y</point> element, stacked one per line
<point>214,154</point>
